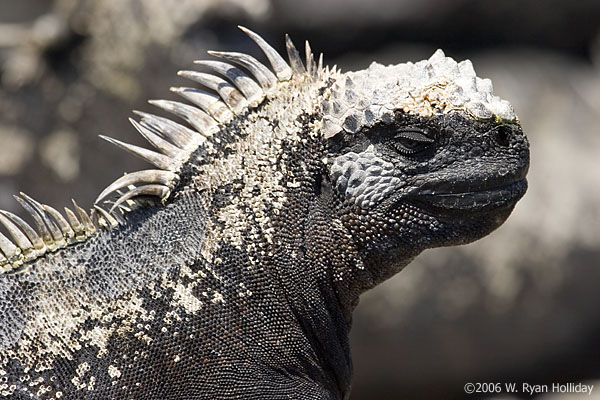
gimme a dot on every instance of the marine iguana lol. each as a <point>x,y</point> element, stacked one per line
<point>231,269</point>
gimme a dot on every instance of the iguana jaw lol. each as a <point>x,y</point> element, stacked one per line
<point>463,196</point>
<point>482,200</point>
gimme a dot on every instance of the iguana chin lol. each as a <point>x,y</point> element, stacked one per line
<point>231,269</point>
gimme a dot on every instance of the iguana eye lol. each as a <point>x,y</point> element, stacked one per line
<point>410,142</point>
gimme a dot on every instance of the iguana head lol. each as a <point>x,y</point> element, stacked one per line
<point>422,155</point>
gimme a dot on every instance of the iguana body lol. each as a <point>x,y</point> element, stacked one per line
<point>294,193</point>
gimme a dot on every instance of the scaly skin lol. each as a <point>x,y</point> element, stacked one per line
<point>241,284</point>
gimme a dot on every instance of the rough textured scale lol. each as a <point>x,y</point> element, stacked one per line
<point>231,270</point>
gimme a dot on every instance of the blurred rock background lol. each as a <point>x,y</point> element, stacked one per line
<point>518,306</point>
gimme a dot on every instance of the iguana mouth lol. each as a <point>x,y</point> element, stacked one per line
<point>484,198</point>
<point>479,193</point>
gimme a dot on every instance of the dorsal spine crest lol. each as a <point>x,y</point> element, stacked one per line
<point>234,92</point>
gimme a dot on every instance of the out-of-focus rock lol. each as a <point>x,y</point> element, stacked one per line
<point>60,152</point>
<point>568,26</point>
<point>16,148</point>
<point>123,31</point>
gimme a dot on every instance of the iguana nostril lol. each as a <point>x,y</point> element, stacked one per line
<point>502,135</point>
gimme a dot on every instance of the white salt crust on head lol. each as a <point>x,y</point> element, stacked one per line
<point>437,85</point>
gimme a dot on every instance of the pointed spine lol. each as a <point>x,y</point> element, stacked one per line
<point>39,222</point>
<point>197,118</point>
<point>87,223</point>
<point>21,240</point>
<point>320,66</point>
<point>311,65</point>
<point>75,224</point>
<point>294,56</point>
<point>209,102</point>
<point>164,178</point>
<point>263,75</point>
<point>281,68</point>
<point>60,221</point>
<point>8,248</point>
<point>159,191</point>
<point>249,88</point>
<point>109,221</point>
<point>159,160</point>
<point>178,134</point>
<point>31,234</point>
<point>54,231</point>
<point>230,95</point>
<point>157,141</point>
